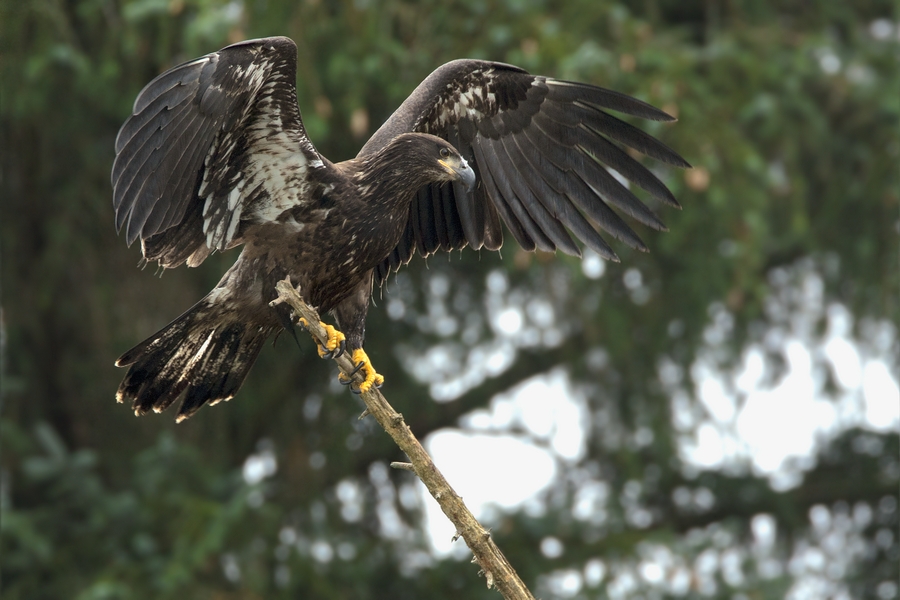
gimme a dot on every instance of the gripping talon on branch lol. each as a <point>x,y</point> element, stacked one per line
<point>342,345</point>
<point>365,365</point>
<point>336,343</point>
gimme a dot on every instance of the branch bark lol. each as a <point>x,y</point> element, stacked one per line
<point>498,572</point>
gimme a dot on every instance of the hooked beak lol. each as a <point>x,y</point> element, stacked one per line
<point>461,172</point>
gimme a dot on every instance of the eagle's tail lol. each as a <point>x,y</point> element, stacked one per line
<point>203,356</point>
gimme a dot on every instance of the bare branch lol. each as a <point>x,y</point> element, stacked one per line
<point>497,570</point>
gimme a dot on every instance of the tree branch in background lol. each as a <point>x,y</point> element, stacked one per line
<point>497,570</point>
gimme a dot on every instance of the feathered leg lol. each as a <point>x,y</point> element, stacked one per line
<point>351,318</point>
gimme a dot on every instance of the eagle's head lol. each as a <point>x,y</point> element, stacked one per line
<point>453,165</point>
<point>430,159</point>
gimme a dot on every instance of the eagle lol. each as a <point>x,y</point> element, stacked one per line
<point>215,156</point>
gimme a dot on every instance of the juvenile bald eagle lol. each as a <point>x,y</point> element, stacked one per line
<point>215,156</point>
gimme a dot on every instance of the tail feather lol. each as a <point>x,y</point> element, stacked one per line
<point>203,356</point>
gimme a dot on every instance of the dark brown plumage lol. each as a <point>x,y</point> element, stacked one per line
<point>215,156</point>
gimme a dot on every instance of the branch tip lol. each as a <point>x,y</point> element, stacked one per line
<point>405,466</point>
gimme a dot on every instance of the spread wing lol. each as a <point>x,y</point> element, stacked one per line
<point>540,148</point>
<point>213,145</point>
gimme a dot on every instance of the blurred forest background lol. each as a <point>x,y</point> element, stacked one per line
<point>783,264</point>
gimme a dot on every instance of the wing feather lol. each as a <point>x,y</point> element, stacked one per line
<point>540,207</point>
<point>555,189</point>
<point>558,143</point>
<point>504,185</point>
<point>602,123</point>
<point>407,245</point>
<point>186,151</point>
<point>570,91</point>
<point>218,143</point>
<point>427,235</point>
<point>541,149</point>
<point>471,213</point>
<point>455,236</point>
<point>594,179</point>
<point>502,205</point>
<point>493,229</point>
<point>440,221</point>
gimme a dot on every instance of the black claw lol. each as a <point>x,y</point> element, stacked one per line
<point>355,390</point>
<point>345,382</point>
<point>356,370</point>
<point>377,386</point>
<point>336,352</point>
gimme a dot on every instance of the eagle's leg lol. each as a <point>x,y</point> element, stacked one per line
<point>351,318</point>
<point>334,345</point>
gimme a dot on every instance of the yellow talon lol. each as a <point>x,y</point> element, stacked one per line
<point>335,338</point>
<point>372,378</point>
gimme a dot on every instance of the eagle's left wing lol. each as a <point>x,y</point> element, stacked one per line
<point>540,148</point>
<point>213,145</point>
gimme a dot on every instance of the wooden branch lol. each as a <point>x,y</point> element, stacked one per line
<point>497,570</point>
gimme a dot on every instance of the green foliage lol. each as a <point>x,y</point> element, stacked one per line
<point>789,112</point>
<point>158,535</point>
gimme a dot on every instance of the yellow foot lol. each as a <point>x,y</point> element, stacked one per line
<point>334,346</point>
<point>362,362</point>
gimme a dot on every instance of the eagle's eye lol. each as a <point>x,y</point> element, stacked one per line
<point>445,153</point>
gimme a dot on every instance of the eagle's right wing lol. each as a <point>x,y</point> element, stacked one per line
<point>540,148</point>
<point>213,145</point>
